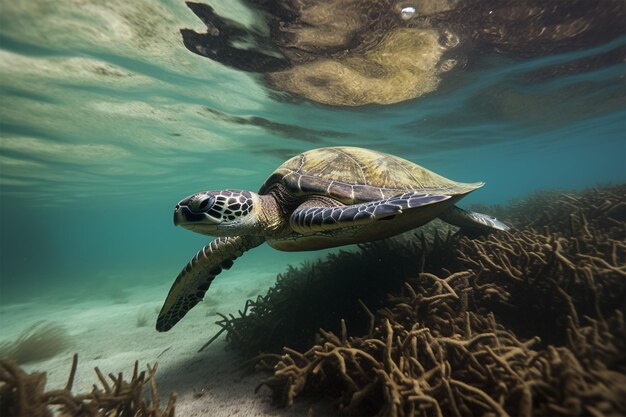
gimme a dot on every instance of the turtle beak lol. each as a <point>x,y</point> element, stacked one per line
<point>180,209</point>
<point>178,216</point>
<point>183,216</point>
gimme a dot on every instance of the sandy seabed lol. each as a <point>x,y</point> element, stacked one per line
<point>108,335</point>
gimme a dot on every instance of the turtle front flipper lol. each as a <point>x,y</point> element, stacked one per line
<point>311,218</point>
<point>471,223</point>
<point>194,280</point>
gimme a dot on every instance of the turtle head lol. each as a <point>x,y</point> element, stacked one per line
<point>217,213</point>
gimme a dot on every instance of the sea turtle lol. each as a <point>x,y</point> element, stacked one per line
<point>318,199</point>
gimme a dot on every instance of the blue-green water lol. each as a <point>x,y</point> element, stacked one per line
<point>107,121</point>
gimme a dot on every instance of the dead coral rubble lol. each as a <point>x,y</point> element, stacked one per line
<point>24,395</point>
<point>529,323</point>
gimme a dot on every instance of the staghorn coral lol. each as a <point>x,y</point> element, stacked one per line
<point>24,394</point>
<point>529,323</point>
<point>573,261</point>
<point>602,208</point>
<point>432,355</point>
<point>40,341</point>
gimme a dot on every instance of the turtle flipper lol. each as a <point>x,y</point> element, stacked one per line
<point>308,219</point>
<point>472,223</point>
<point>194,280</point>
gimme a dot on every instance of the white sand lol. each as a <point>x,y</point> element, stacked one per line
<point>106,334</point>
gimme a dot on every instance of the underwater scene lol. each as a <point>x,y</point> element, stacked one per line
<point>393,208</point>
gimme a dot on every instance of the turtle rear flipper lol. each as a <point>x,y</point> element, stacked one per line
<point>311,217</point>
<point>471,223</point>
<point>194,280</point>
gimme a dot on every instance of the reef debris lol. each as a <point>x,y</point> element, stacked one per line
<point>23,394</point>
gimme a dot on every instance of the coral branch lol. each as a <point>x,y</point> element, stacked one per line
<point>23,394</point>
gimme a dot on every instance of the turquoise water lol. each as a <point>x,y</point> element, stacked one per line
<point>107,121</point>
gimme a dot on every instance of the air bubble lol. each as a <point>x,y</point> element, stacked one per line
<point>407,13</point>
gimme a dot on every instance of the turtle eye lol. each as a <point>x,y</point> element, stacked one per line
<point>204,204</point>
<point>201,202</point>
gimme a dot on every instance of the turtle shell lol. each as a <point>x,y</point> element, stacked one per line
<point>354,175</point>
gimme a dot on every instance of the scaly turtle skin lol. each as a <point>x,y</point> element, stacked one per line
<point>319,199</point>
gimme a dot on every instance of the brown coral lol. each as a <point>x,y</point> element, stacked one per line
<point>524,323</point>
<point>24,395</point>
